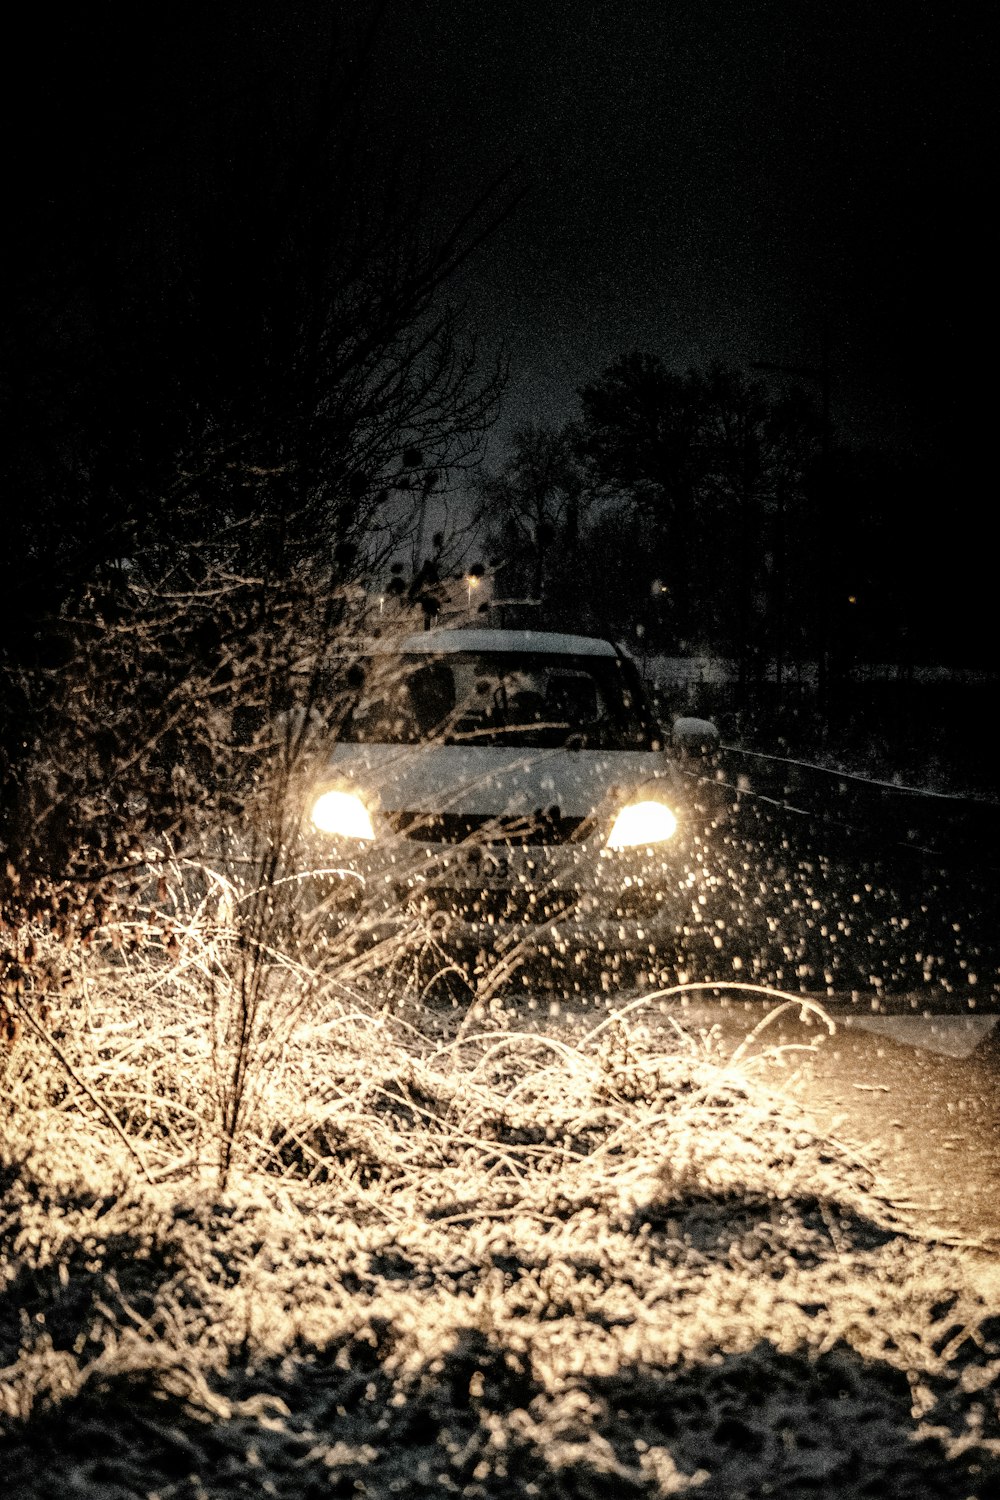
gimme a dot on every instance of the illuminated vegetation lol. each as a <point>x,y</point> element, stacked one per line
<point>458,1252</point>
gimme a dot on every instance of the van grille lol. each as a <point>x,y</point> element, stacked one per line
<point>455,828</point>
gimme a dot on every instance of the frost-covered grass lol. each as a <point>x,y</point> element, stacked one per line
<point>455,1256</point>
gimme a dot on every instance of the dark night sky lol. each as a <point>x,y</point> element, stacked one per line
<point>716,180</point>
<point>705,179</point>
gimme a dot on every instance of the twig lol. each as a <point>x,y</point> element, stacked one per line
<point>51,1042</point>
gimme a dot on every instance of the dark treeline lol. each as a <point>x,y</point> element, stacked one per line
<point>713,513</point>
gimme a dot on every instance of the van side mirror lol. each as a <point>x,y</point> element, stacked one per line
<point>694,736</point>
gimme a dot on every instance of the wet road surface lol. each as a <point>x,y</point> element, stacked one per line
<point>920,1108</point>
<point>927,1120</point>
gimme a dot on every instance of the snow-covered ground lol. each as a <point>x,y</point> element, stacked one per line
<point>461,1256</point>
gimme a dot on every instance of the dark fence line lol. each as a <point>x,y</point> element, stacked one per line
<point>953,827</point>
<point>934,735</point>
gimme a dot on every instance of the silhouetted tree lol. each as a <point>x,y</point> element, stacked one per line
<point>531,514</point>
<point>707,473</point>
<point>640,434</point>
<point>228,376</point>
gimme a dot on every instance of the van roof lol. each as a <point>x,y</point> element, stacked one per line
<point>437,642</point>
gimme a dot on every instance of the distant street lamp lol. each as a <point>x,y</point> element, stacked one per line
<point>473,583</point>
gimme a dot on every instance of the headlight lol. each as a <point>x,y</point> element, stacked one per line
<point>642,823</point>
<point>344,814</point>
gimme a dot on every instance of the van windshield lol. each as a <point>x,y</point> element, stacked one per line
<point>502,698</point>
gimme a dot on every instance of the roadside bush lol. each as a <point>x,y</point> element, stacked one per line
<point>595,1254</point>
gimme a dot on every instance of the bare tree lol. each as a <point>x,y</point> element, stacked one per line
<point>229,375</point>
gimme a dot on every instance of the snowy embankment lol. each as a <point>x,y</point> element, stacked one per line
<point>458,1258</point>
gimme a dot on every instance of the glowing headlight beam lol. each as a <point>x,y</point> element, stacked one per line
<point>343,814</point>
<point>642,823</point>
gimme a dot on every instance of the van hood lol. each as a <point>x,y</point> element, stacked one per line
<point>494,782</point>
